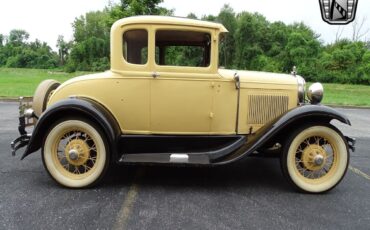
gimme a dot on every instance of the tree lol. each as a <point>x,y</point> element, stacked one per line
<point>192,16</point>
<point>90,50</point>
<point>210,18</point>
<point>91,45</point>
<point>1,40</point>
<point>365,68</point>
<point>338,34</point>
<point>358,30</point>
<point>2,55</point>
<point>227,47</point>
<point>18,37</point>
<point>343,62</point>
<point>251,39</point>
<point>17,52</point>
<point>142,7</point>
<point>128,8</point>
<point>63,49</point>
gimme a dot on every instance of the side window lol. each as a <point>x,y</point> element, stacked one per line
<point>182,48</point>
<point>135,46</point>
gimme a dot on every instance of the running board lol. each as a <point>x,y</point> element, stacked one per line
<point>165,158</point>
<point>217,147</point>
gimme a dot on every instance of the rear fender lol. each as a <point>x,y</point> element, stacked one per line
<point>75,107</point>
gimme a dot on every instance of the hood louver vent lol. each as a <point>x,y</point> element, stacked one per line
<point>264,108</point>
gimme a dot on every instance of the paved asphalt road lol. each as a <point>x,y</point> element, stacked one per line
<point>248,195</point>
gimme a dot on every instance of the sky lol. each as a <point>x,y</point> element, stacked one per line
<point>46,19</point>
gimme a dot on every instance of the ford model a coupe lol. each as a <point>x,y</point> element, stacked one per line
<point>155,105</point>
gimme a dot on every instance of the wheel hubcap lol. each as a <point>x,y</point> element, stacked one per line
<point>77,152</point>
<point>73,154</point>
<point>318,160</point>
<point>313,157</point>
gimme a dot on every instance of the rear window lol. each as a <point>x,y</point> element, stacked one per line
<point>135,46</point>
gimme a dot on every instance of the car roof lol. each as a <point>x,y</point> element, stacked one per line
<point>168,20</point>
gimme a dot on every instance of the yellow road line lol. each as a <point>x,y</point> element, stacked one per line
<point>359,172</point>
<point>128,203</point>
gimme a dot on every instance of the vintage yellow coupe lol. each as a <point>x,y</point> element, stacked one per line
<point>150,109</point>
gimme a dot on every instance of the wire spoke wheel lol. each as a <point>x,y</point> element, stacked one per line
<point>315,158</point>
<point>74,153</point>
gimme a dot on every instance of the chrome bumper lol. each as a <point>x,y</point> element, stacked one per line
<point>26,118</point>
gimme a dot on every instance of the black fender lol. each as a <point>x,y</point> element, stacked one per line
<point>80,107</point>
<point>284,124</point>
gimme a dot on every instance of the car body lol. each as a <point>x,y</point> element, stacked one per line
<point>165,100</point>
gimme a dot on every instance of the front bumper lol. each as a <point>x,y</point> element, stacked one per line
<point>26,119</point>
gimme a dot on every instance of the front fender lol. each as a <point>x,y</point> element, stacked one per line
<point>289,120</point>
<point>83,107</point>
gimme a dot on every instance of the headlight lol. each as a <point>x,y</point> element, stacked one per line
<point>315,93</point>
<point>301,86</point>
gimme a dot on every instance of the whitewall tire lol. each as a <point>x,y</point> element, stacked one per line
<point>75,153</point>
<point>315,158</point>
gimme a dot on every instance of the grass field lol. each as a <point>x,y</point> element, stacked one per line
<point>338,94</point>
<point>23,82</point>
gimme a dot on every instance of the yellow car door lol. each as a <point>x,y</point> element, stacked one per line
<point>180,104</point>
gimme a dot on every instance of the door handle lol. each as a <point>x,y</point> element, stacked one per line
<point>237,80</point>
<point>155,75</point>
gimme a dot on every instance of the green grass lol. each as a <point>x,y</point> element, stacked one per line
<point>23,82</point>
<point>350,95</point>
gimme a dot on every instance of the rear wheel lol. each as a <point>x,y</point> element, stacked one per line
<point>315,158</point>
<point>75,153</point>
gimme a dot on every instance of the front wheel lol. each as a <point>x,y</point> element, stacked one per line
<point>75,153</point>
<point>315,158</point>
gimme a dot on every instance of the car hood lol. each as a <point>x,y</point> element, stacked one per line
<point>259,77</point>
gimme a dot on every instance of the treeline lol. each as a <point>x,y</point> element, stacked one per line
<point>17,52</point>
<point>257,44</point>
<point>253,43</point>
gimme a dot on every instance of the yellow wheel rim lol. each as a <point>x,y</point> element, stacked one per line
<point>316,157</point>
<point>77,152</point>
<point>74,153</point>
